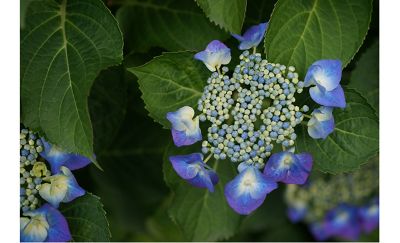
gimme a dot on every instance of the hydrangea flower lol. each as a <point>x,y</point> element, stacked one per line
<point>321,123</point>
<point>252,37</point>
<point>369,216</point>
<point>215,55</point>
<point>45,224</point>
<point>185,130</point>
<point>288,167</point>
<point>62,188</point>
<point>325,75</point>
<point>192,168</point>
<point>247,191</point>
<point>57,158</point>
<point>342,222</point>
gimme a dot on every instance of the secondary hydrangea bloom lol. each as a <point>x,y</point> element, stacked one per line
<point>41,221</point>
<point>319,231</point>
<point>185,130</point>
<point>62,188</point>
<point>45,224</point>
<point>215,55</point>
<point>192,168</point>
<point>321,123</point>
<point>342,221</point>
<point>57,158</point>
<point>325,75</point>
<point>248,190</point>
<point>369,216</point>
<point>288,167</point>
<point>252,37</point>
<point>297,211</point>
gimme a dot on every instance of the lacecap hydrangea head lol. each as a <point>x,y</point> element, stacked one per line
<point>249,113</point>
<point>42,189</point>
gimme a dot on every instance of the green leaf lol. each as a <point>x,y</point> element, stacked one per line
<point>354,140</point>
<point>365,77</point>
<point>228,14</point>
<point>303,31</point>
<point>64,45</point>
<point>175,25</point>
<point>258,11</point>
<point>201,215</point>
<point>169,82</point>
<point>86,219</point>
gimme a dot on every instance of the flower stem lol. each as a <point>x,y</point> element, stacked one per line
<point>308,116</point>
<point>208,158</point>
<point>254,50</point>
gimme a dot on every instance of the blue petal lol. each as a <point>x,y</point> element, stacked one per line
<point>215,55</point>
<point>247,191</point>
<point>74,190</point>
<point>342,222</point>
<point>205,179</point>
<point>321,123</point>
<point>288,168</point>
<point>185,130</point>
<point>57,158</point>
<point>252,37</point>
<point>326,73</point>
<point>58,230</point>
<point>183,164</point>
<point>319,231</point>
<point>369,217</point>
<point>334,98</point>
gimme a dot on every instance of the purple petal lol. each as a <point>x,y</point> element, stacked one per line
<point>369,217</point>
<point>215,55</point>
<point>297,213</point>
<point>334,98</point>
<point>343,222</point>
<point>183,164</point>
<point>319,231</point>
<point>326,73</point>
<point>205,179</point>
<point>321,123</point>
<point>74,190</point>
<point>247,191</point>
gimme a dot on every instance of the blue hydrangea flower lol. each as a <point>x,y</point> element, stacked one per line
<point>321,123</point>
<point>57,158</point>
<point>185,130</point>
<point>288,167</point>
<point>45,224</point>
<point>252,37</point>
<point>215,55</point>
<point>369,216</point>
<point>247,191</point>
<point>342,222</point>
<point>62,188</point>
<point>319,231</point>
<point>192,168</point>
<point>325,75</point>
<point>297,211</point>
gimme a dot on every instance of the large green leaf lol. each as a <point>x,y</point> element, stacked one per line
<point>354,140</point>
<point>303,31</point>
<point>365,76</point>
<point>229,14</point>
<point>86,219</point>
<point>64,45</point>
<point>175,25</point>
<point>201,215</point>
<point>169,82</point>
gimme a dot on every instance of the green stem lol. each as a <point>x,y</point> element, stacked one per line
<point>254,50</point>
<point>208,158</point>
<point>308,116</point>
